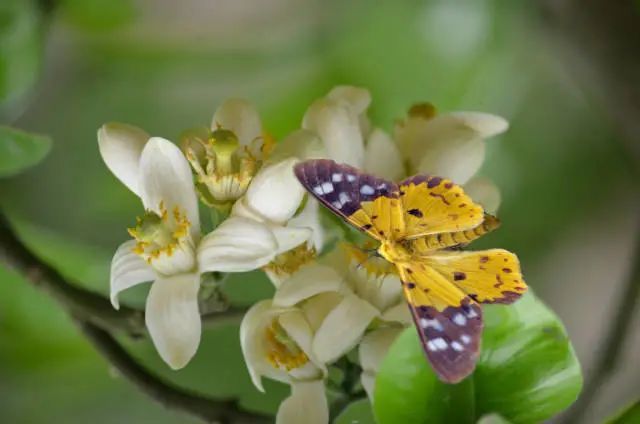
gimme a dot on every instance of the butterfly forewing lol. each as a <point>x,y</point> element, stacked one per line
<point>448,322</point>
<point>434,205</point>
<point>370,204</point>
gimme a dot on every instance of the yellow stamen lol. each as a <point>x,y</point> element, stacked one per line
<point>283,352</point>
<point>289,262</point>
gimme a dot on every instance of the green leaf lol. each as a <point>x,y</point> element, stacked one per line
<point>358,412</point>
<point>527,373</point>
<point>20,49</point>
<point>20,150</point>
<point>629,415</point>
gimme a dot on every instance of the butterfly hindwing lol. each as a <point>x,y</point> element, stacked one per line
<point>490,276</point>
<point>369,203</point>
<point>448,322</point>
<point>435,205</point>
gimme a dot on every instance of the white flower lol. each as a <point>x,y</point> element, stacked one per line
<point>167,246</point>
<point>272,202</point>
<point>277,343</point>
<point>226,157</point>
<point>450,144</point>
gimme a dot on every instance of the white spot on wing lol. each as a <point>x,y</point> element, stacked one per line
<point>327,187</point>
<point>336,178</point>
<point>460,319</point>
<point>367,189</point>
<point>465,339</point>
<point>433,323</point>
<point>318,190</point>
<point>472,313</point>
<point>351,178</point>
<point>431,346</point>
<point>344,197</point>
<point>457,346</point>
<point>337,205</point>
<point>440,343</point>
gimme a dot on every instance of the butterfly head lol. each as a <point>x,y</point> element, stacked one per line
<point>393,252</point>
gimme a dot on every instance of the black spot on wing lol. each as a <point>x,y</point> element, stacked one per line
<point>450,338</point>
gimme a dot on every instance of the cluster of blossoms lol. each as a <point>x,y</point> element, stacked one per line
<point>330,299</point>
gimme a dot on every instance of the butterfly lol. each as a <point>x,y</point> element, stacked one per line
<point>418,222</point>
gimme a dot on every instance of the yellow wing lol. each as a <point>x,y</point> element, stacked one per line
<point>368,203</point>
<point>490,276</point>
<point>435,205</point>
<point>448,322</point>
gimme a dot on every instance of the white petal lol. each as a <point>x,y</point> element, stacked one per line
<point>450,145</point>
<point>380,293</point>
<point>309,218</point>
<point>307,282</point>
<point>483,191</point>
<point>358,98</point>
<point>307,404</point>
<point>339,128</point>
<point>127,270</point>
<point>374,347</point>
<point>382,157</point>
<point>121,146</point>
<point>237,245</point>
<point>290,237</point>
<point>165,176</point>
<point>241,117</point>
<point>301,144</point>
<point>319,306</point>
<point>275,193</point>
<point>297,327</point>
<point>371,352</point>
<point>398,313</point>
<point>251,341</point>
<point>173,318</point>
<point>342,328</point>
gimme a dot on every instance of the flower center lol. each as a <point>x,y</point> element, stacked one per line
<point>282,350</point>
<point>290,261</point>
<point>160,237</point>
<point>422,110</point>
<point>224,167</point>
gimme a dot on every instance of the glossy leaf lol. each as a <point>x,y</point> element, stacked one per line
<point>358,412</point>
<point>629,415</point>
<point>527,373</point>
<point>20,150</point>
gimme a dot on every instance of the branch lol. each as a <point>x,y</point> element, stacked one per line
<point>615,336</point>
<point>82,303</point>
<point>165,393</point>
<point>97,319</point>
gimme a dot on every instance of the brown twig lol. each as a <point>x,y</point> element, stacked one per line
<point>165,393</point>
<point>98,320</point>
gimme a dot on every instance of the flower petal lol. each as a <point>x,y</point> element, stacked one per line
<point>309,217</point>
<point>121,146</point>
<point>241,117</point>
<point>307,404</point>
<point>297,327</point>
<point>127,270</point>
<point>397,313</point>
<point>371,352</point>
<point>450,145</point>
<point>165,176</point>
<point>275,193</point>
<point>251,341</point>
<point>308,281</point>
<point>358,98</point>
<point>382,157</point>
<point>483,191</point>
<point>301,144</point>
<point>342,328</point>
<point>290,237</point>
<point>237,245</point>
<point>338,126</point>
<point>173,318</point>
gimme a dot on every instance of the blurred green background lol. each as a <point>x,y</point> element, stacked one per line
<point>570,195</point>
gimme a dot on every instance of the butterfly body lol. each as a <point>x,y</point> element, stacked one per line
<point>416,222</point>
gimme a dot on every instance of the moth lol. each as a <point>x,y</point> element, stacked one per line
<point>416,222</point>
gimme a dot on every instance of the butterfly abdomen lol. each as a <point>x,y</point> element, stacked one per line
<point>443,240</point>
